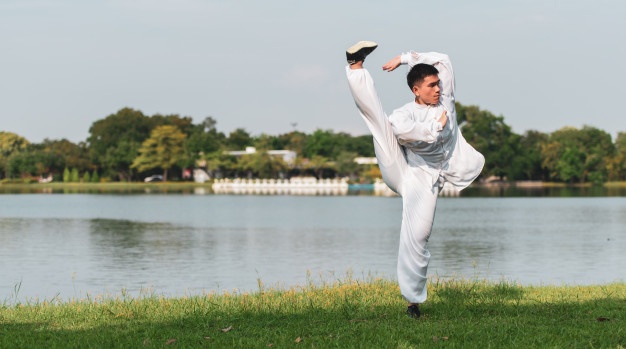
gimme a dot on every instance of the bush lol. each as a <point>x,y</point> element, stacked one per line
<point>26,180</point>
<point>74,177</point>
<point>11,181</point>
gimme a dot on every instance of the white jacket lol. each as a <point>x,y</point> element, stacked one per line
<point>439,150</point>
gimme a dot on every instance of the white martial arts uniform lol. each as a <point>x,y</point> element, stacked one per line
<point>416,155</point>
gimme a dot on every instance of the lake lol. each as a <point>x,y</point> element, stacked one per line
<point>79,245</point>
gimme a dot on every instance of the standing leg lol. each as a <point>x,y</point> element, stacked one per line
<point>419,201</point>
<point>419,198</point>
<point>389,153</point>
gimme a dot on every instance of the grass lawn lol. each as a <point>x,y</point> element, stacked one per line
<point>345,314</point>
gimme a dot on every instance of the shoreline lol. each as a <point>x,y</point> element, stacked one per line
<point>208,184</point>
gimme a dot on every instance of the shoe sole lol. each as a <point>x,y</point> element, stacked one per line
<point>361,45</point>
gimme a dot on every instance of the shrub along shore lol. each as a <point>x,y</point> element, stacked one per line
<point>109,187</point>
<point>20,187</point>
<point>346,314</point>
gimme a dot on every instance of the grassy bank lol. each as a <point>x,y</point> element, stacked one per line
<point>615,184</point>
<point>348,314</point>
<point>111,187</point>
<point>191,187</point>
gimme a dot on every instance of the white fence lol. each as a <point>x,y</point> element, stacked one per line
<point>293,186</point>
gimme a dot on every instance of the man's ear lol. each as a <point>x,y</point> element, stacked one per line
<point>415,90</point>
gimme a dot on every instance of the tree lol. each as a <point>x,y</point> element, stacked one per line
<point>574,155</point>
<point>47,158</point>
<point>74,177</point>
<point>361,145</point>
<point>345,164</point>
<point>163,149</point>
<point>204,139</point>
<point>32,161</point>
<point>10,143</point>
<point>184,124</point>
<point>86,177</point>
<point>220,165</point>
<point>114,141</point>
<point>294,141</point>
<point>490,136</point>
<point>599,149</point>
<point>66,154</point>
<point>118,159</point>
<point>322,143</point>
<point>317,164</point>
<point>262,165</point>
<point>95,178</point>
<point>616,165</point>
<point>66,175</point>
<point>265,142</point>
<point>528,164</point>
<point>239,139</point>
<point>570,166</point>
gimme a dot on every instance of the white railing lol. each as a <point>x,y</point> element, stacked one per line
<point>293,186</point>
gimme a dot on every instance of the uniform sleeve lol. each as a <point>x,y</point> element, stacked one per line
<point>442,62</point>
<point>409,130</point>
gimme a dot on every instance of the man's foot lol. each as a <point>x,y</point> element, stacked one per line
<point>360,50</point>
<point>413,311</point>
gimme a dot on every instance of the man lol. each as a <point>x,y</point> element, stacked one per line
<point>419,147</point>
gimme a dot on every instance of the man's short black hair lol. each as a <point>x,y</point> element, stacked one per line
<point>419,71</point>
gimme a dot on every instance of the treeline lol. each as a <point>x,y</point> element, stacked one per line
<point>128,146</point>
<point>568,155</point>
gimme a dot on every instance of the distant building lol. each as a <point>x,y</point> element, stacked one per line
<point>366,161</point>
<point>288,156</point>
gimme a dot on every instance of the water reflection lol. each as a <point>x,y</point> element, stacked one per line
<point>538,240</point>
<point>72,245</point>
<point>153,255</point>
<point>462,247</point>
<point>123,243</point>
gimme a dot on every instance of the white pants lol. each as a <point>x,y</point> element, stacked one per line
<point>414,185</point>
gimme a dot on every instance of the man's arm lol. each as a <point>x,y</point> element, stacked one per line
<point>392,64</point>
<point>409,130</point>
<point>438,60</point>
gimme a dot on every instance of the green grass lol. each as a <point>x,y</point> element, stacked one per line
<point>346,314</point>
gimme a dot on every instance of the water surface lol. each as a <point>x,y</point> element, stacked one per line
<point>93,244</point>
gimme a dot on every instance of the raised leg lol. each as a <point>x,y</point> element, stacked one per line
<point>389,153</point>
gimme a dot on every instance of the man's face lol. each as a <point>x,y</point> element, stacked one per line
<point>428,92</point>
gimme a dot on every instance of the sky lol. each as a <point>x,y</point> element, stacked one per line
<point>277,65</point>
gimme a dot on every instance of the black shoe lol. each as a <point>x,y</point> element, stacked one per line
<point>413,311</point>
<point>359,51</point>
